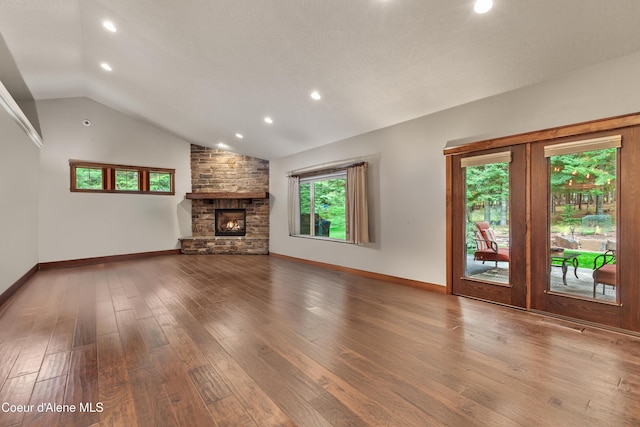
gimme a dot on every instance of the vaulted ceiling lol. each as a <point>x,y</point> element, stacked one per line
<point>208,69</point>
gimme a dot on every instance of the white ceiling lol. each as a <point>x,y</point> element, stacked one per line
<point>206,69</point>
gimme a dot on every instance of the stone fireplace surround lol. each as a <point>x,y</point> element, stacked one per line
<point>224,180</point>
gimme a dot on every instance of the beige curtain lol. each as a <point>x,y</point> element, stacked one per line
<point>293,206</point>
<point>357,210</point>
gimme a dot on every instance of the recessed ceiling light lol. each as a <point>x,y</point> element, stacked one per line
<point>106,66</point>
<point>315,95</point>
<point>109,26</point>
<point>222,145</point>
<point>239,136</point>
<point>483,6</point>
<point>268,120</point>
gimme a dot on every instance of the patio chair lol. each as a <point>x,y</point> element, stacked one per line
<point>604,270</point>
<point>486,246</point>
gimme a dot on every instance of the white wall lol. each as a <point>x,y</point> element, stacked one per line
<point>408,197</point>
<point>85,225</point>
<point>18,202</point>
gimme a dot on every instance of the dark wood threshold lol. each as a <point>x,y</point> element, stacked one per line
<point>105,259</point>
<point>581,325</point>
<point>4,297</point>
<point>368,274</point>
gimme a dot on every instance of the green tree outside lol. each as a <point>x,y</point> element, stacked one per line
<point>160,182</point>
<point>329,204</point>
<point>127,180</point>
<point>89,178</point>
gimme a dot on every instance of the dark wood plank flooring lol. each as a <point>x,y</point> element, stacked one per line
<point>261,341</point>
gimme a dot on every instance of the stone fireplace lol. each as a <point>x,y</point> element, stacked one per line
<point>229,203</point>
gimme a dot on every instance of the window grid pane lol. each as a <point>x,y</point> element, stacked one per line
<point>159,181</point>
<point>89,178</point>
<point>127,180</point>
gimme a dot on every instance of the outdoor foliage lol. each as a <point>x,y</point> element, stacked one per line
<point>88,178</point>
<point>488,189</point>
<point>127,180</point>
<point>582,178</point>
<point>329,202</point>
<point>305,198</point>
<point>160,181</point>
<point>578,181</point>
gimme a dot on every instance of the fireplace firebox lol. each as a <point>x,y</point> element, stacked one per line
<point>231,222</point>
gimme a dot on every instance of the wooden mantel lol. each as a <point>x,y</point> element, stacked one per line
<point>230,195</point>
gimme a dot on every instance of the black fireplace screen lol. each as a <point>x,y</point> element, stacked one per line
<point>231,222</point>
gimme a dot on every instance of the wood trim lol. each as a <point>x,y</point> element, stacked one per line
<point>627,214</point>
<point>158,193</point>
<point>449,226</point>
<point>72,178</point>
<point>368,274</point>
<point>548,134</point>
<point>144,180</point>
<point>585,323</point>
<point>97,165</point>
<point>105,259</point>
<point>4,297</point>
<point>109,178</point>
<point>528,257</point>
<point>229,195</point>
<point>173,183</point>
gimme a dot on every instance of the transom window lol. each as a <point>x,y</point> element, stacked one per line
<point>89,178</point>
<point>108,178</point>
<point>160,181</point>
<point>127,180</point>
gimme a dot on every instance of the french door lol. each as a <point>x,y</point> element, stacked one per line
<point>584,245</point>
<point>489,218</point>
<point>563,236</point>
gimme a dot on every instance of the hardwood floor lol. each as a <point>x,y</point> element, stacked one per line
<point>260,341</point>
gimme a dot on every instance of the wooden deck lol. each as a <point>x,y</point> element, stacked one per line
<point>261,341</point>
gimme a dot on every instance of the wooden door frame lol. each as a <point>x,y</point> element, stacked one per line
<point>513,293</point>
<point>625,316</point>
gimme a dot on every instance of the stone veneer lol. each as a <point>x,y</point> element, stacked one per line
<point>215,170</point>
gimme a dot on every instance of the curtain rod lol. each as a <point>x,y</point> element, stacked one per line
<point>330,165</point>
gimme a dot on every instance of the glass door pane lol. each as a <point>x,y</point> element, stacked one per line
<point>582,224</point>
<point>487,222</point>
